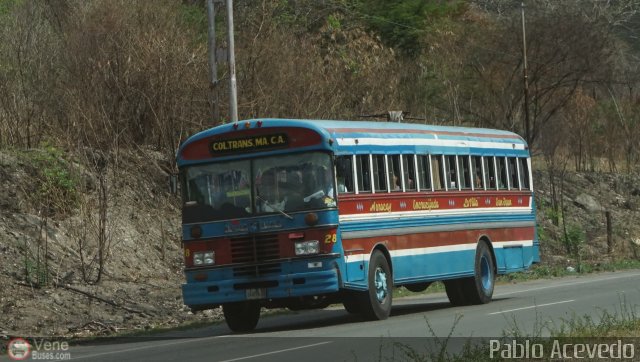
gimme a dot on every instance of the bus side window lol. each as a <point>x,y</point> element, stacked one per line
<point>502,173</point>
<point>379,174</point>
<point>524,173</point>
<point>476,172</point>
<point>409,168</point>
<point>437,172</point>
<point>490,172</point>
<point>363,170</point>
<point>393,165</point>
<point>513,173</point>
<point>465,174</point>
<point>344,174</point>
<point>425,173</point>
<point>451,173</point>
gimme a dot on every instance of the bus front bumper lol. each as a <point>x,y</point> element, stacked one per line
<point>208,288</point>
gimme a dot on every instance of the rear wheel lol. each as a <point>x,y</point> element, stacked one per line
<point>479,288</point>
<point>377,300</point>
<point>455,291</point>
<point>241,316</point>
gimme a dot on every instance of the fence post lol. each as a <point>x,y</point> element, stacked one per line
<point>609,232</point>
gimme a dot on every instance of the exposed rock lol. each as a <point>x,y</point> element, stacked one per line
<point>588,203</point>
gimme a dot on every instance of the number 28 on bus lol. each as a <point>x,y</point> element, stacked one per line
<point>301,214</point>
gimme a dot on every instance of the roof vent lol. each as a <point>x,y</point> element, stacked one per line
<point>395,116</point>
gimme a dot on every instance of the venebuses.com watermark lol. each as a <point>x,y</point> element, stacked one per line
<point>20,349</point>
<point>562,350</point>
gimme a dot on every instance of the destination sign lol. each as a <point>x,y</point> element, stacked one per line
<point>247,144</point>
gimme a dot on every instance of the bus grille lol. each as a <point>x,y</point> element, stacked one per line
<point>255,249</point>
<point>256,270</point>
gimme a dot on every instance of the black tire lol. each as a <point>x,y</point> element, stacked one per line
<point>351,302</point>
<point>455,291</point>
<point>479,288</point>
<point>376,303</point>
<point>241,316</point>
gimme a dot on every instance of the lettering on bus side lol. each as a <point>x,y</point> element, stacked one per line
<point>503,202</point>
<point>273,141</point>
<point>380,207</point>
<point>470,202</point>
<point>428,204</point>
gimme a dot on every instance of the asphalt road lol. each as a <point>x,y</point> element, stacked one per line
<point>525,308</point>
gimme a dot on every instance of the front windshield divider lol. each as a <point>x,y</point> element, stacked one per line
<point>274,208</point>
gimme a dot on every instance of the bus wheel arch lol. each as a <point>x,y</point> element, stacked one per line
<point>381,247</point>
<point>487,240</point>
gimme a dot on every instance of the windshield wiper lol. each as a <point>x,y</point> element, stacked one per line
<point>274,208</point>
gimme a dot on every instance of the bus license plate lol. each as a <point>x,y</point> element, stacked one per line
<point>257,293</point>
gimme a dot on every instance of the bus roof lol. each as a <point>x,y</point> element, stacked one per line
<point>346,135</point>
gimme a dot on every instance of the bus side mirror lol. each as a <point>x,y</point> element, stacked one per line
<point>173,184</point>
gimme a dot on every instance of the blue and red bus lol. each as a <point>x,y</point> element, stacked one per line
<point>304,213</point>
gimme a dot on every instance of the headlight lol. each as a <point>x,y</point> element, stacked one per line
<point>204,258</point>
<point>307,247</point>
<point>197,258</point>
<point>209,258</point>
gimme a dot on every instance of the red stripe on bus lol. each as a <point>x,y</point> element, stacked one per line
<point>434,239</point>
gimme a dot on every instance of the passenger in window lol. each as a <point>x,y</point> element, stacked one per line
<point>410,183</point>
<point>341,185</point>
<point>478,181</point>
<point>395,182</point>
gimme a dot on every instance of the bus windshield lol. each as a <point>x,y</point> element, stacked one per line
<point>244,188</point>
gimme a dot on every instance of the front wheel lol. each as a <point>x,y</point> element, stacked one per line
<point>377,300</point>
<point>351,302</point>
<point>241,316</point>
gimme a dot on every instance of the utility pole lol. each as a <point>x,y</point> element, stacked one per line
<point>213,85</point>
<point>526,81</point>
<point>233,96</point>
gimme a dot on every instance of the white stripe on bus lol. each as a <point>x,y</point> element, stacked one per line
<point>428,142</point>
<point>440,249</point>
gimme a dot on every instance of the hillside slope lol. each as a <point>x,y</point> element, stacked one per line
<point>44,290</point>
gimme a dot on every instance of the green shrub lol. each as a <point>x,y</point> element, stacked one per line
<point>56,185</point>
<point>403,23</point>
<point>573,239</point>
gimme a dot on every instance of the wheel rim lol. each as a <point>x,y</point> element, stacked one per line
<point>381,284</point>
<point>486,274</point>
